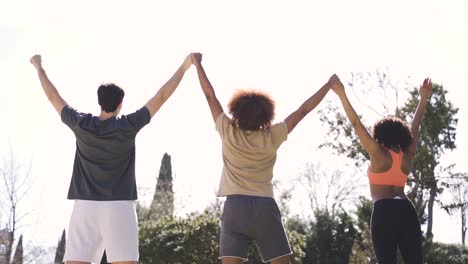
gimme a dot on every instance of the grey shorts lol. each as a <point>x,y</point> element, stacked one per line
<point>252,218</point>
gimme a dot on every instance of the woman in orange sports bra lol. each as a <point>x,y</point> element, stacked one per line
<point>392,147</point>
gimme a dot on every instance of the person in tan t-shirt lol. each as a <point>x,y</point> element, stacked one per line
<point>249,146</point>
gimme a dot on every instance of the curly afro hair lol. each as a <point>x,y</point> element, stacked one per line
<point>251,110</point>
<point>392,132</point>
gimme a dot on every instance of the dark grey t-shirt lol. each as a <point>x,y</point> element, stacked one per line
<point>104,167</point>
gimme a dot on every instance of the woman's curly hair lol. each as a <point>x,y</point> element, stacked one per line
<point>392,132</point>
<point>251,110</point>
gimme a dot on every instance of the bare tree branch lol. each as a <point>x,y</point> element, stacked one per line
<point>16,182</point>
<point>329,190</point>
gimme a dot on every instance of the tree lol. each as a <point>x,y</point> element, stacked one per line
<point>295,227</point>
<point>180,240</point>
<point>194,239</point>
<point>440,253</point>
<point>329,190</point>
<point>163,200</point>
<point>60,251</point>
<point>37,254</point>
<point>437,134</point>
<point>332,231</point>
<point>15,182</point>
<point>5,241</point>
<point>283,200</point>
<point>215,207</point>
<point>373,93</point>
<point>18,257</point>
<point>104,258</point>
<point>363,251</point>
<point>457,183</point>
<point>331,239</point>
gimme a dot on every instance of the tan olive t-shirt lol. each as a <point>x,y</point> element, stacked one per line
<point>248,158</point>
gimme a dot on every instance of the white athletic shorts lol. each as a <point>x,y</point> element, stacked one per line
<point>96,226</point>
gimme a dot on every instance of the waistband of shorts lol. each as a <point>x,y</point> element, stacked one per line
<point>394,201</point>
<point>248,197</point>
<point>95,202</point>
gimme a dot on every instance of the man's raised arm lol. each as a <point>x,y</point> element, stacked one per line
<point>155,103</point>
<point>49,88</point>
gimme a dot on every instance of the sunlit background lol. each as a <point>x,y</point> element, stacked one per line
<point>286,48</point>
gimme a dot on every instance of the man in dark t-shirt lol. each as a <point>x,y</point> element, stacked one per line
<point>103,179</point>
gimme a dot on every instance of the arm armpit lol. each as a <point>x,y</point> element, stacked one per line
<point>215,107</point>
<point>58,104</point>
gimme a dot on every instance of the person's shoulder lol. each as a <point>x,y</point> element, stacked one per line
<point>280,126</point>
<point>279,132</point>
<point>221,117</point>
<point>135,120</point>
<point>71,116</point>
<point>141,113</point>
<point>222,120</point>
<point>72,109</point>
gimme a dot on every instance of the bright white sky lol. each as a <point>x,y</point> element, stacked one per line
<point>287,49</point>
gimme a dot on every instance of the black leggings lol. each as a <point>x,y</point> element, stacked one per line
<point>394,223</point>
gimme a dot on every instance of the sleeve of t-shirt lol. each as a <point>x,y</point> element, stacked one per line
<point>71,117</point>
<point>221,124</point>
<point>139,119</point>
<point>279,133</point>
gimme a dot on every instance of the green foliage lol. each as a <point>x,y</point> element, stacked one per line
<point>439,130</point>
<point>163,199</point>
<point>363,251</point>
<point>180,240</point>
<point>165,171</point>
<point>297,240</point>
<point>364,211</point>
<point>437,134</point>
<point>440,253</point>
<point>297,224</point>
<point>341,138</point>
<point>457,184</point>
<point>195,240</point>
<point>143,213</point>
<point>331,239</point>
<point>328,239</point>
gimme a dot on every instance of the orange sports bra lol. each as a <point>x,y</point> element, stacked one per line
<point>394,176</point>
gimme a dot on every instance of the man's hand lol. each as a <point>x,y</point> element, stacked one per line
<point>196,58</point>
<point>49,89</point>
<point>36,61</point>
<point>336,85</point>
<point>187,62</point>
<point>425,90</point>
